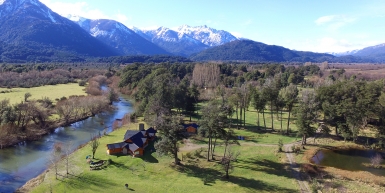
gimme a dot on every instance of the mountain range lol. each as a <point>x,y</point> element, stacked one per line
<point>30,31</point>
<point>122,39</point>
<point>186,40</point>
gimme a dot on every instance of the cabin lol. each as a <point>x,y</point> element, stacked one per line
<point>151,133</point>
<point>134,142</point>
<point>191,128</point>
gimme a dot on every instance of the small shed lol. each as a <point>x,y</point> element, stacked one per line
<point>191,128</point>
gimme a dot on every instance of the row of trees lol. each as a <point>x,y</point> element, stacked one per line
<point>17,121</point>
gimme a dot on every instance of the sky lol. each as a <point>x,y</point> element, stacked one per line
<point>306,25</point>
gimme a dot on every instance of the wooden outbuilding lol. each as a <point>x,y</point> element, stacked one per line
<point>191,128</point>
<point>115,148</point>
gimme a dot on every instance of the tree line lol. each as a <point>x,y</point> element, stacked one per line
<point>347,105</point>
<point>29,119</point>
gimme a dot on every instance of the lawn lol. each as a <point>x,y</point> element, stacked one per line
<point>258,169</point>
<point>16,95</point>
<point>260,135</point>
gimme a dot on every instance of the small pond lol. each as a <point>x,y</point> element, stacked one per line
<point>351,159</point>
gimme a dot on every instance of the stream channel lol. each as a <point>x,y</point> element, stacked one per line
<point>27,160</point>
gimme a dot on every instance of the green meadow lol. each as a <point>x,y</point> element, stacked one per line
<point>258,169</point>
<point>16,95</point>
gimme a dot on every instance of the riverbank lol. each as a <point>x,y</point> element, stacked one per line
<point>35,132</point>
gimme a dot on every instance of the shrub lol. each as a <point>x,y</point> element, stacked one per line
<point>189,155</point>
<point>82,83</point>
<point>280,145</point>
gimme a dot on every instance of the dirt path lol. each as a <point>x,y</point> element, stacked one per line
<point>191,146</point>
<point>303,185</point>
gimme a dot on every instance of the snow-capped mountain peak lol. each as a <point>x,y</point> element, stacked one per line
<point>378,46</point>
<point>10,6</point>
<point>207,35</point>
<point>351,52</point>
<point>194,39</point>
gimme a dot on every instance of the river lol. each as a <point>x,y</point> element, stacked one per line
<point>25,161</point>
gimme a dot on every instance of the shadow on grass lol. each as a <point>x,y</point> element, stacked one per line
<point>87,181</point>
<point>149,154</point>
<point>264,165</point>
<point>209,176</point>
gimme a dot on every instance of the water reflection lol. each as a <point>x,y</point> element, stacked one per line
<point>351,159</point>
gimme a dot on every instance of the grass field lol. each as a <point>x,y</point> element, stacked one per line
<point>258,169</point>
<point>16,95</point>
<point>262,135</point>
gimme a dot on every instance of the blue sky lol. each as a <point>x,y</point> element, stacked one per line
<point>308,25</point>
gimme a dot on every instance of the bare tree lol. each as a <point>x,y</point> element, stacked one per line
<point>206,75</point>
<point>376,160</point>
<point>67,152</point>
<point>55,156</point>
<point>228,160</point>
<point>94,144</point>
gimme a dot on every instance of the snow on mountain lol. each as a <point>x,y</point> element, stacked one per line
<point>186,40</point>
<point>207,35</point>
<point>203,34</point>
<point>117,35</point>
<point>372,51</point>
<point>35,30</point>
<point>351,52</point>
<point>10,6</point>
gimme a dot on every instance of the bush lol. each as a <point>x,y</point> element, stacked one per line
<point>315,186</point>
<point>189,155</point>
<point>280,145</point>
<point>198,152</point>
<point>82,83</point>
<point>295,149</point>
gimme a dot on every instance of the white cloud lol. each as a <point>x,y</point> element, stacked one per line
<point>329,44</point>
<point>236,34</point>
<point>78,8</point>
<point>334,22</point>
<point>82,9</point>
<point>325,19</point>
<point>247,22</point>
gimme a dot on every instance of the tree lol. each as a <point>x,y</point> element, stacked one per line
<point>206,75</point>
<point>94,144</point>
<point>55,156</point>
<point>214,119</point>
<point>170,132</point>
<point>259,104</point>
<point>270,92</point>
<point>112,96</point>
<point>67,152</point>
<point>289,95</point>
<point>228,160</point>
<point>26,96</point>
<point>306,114</point>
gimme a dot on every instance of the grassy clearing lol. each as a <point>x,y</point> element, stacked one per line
<point>257,170</point>
<point>255,134</point>
<point>16,95</point>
